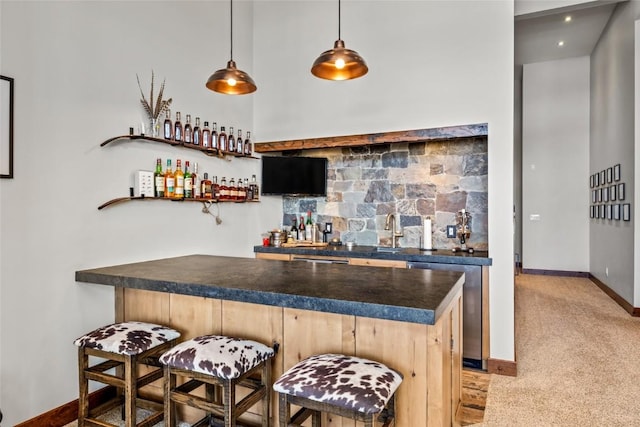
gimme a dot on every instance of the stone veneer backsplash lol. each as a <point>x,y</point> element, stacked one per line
<point>411,180</point>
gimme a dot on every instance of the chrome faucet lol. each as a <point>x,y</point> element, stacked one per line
<point>390,224</point>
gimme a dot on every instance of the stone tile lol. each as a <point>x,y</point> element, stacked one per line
<point>475,164</point>
<point>398,191</point>
<point>342,186</point>
<point>417,148</point>
<point>410,220</point>
<point>348,174</point>
<point>357,224</point>
<point>395,159</point>
<point>426,207</point>
<point>379,191</point>
<point>366,210</point>
<point>436,169</point>
<point>423,191</point>
<point>290,204</point>
<point>385,208</point>
<point>380,148</point>
<point>451,202</point>
<point>355,197</point>
<point>368,238</point>
<point>375,173</point>
<point>477,202</point>
<point>406,207</point>
<point>308,205</point>
<point>474,183</point>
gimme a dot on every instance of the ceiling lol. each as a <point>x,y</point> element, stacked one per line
<point>537,34</point>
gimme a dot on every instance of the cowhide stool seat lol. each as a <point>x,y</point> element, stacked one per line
<point>221,364</point>
<point>346,386</point>
<point>125,346</point>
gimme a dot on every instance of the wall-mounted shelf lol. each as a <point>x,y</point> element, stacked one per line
<point>418,135</point>
<point>208,151</point>
<point>184,199</point>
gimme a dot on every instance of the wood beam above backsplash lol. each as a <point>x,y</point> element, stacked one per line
<point>417,135</point>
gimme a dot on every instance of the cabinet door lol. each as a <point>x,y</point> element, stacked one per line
<point>277,257</point>
<point>377,262</point>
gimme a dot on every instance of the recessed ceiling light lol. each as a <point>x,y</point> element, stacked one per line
<point>560,43</point>
<point>567,18</point>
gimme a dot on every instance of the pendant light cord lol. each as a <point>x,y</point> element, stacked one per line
<point>339,19</point>
<point>231,53</point>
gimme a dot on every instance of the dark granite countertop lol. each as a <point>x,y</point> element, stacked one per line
<point>417,296</point>
<point>443,256</point>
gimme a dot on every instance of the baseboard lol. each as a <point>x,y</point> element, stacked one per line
<point>629,308</point>
<point>555,273</point>
<point>63,415</point>
<point>502,367</point>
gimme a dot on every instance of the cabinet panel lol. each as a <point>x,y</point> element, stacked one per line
<point>277,257</point>
<point>378,262</point>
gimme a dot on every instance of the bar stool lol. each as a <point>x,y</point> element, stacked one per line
<point>124,346</point>
<point>347,386</point>
<point>220,363</point>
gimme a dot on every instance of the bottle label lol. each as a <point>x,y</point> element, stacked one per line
<point>160,182</point>
<point>171,183</point>
<point>188,184</point>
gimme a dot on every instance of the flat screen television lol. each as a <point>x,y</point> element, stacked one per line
<point>294,176</point>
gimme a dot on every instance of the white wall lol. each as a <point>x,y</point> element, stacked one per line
<point>75,66</point>
<point>432,63</point>
<point>612,142</point>
<point>444,63</point>
<point>555,158</point>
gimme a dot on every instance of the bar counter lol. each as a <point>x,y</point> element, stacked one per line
<point>408,319</point>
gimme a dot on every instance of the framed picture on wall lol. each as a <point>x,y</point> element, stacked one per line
<point>616,212</point>
<point>605,194</point>
<point>626,212</point>
<point>603,177</point>
<point>593,196</point>
<point>602,212</point>
<point>596,212</point>
<point>590,211</point>
<point>596,179</point>
<point>613,192</point>
<point>616,172</point>
<point>609,212</point>
<point>610,175</point>
<point>6,127</point>
<point>592,181</point>
<point>621,191</point>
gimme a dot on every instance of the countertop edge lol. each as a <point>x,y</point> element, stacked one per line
<point>440,256</point>
<point>361,309</point>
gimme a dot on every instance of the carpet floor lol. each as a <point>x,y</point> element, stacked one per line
<point>578,359</point>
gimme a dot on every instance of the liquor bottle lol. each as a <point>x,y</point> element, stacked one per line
<point>197,133</point>
<point>169,181</point>
<point>239,143</point>
<point>294,230</point>
<point>214,137</point>
<point>246,190</point>
<point>179,175</point>
<point>206,136</point>
<point>249,188</point>
<point>222,140</point>
<point>301,230</point>
<point>242,191</point>
<point>215,188</point>
<point>224,190</point>
<point>177,128</point>
<point>188,131</point>
<point>231,141</point>
<point>158,180</point>
<point>256,189</point>
<point>248,149</point>
<point>168,126</point>
<point>233,190</point>
<point>195,179</point>
<point>308,227</point>
<point>188,180</point>
<point>205,187</point>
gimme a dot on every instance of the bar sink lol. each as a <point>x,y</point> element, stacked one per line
<point>387,249</point>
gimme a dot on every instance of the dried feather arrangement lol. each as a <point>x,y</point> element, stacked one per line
<point>157,107</point>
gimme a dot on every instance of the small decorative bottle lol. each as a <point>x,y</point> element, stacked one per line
<point>168,126</point>
<point>177,128</point>
<point>197,133</point>
<point>248,149</point>
<point>239,143</point>
<point>206,136</point>
<point>188,131</point>
<point>231,141</point>
<point>214,137</point>
<point>222,140</point>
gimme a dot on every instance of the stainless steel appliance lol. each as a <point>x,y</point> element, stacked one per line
<point>472,310</point>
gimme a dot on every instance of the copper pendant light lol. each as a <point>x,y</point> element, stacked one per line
<point>339,63</point>
<point>230,80</point>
